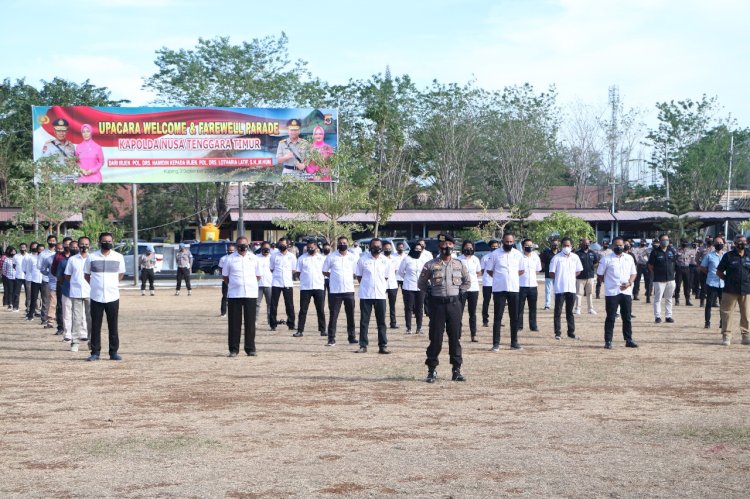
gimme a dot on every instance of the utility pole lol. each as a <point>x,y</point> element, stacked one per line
<point>241,205</point>
<point>729,184</point>
<point>136,256</point>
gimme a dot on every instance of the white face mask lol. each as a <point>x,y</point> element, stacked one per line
<point>567,249</point>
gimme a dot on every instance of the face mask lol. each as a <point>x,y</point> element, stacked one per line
<point>326,251</point>
<point>567,250</point>
<point>400,251</point>
<point>310,251</point>
<point>105,245</point>
<point>23,251</point>
<point>618,250</point>
<point>719,246</point>
<point>342,247</point>
<point>12,255</point>
<point>242,248</point>
<point>627,248</point>
<point>265,251</point>
<point>584,247</point>
<point>664,243</point>
<point>415,254</point>
<point>282,247</point>
<point>387,252</point>
<point>508,247</point>
<point>528,249</point>
<point>740,246</point>
<point>51,245</point>
<point>376,250</point>
<point>683,245</point>
<point>73,252</point>
<point>468,251</point>
<point>447,251</point>
<point>83,249</point>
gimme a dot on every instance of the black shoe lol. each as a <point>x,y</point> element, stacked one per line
<point>232,354</point>
<point>631,344</point>
<point>273,329</point>
<point>535,329</point>
<point>657,320</point>
<point>707,325</point>
<point>635,298</point>
<point>597,297</point>
<point>485,324</point>
<point>557,337</point>
<point>353,341</point>
<point>608,345</point>
<point>384,350</point>
<point>474,339</point>
<point>394,326</point>
<point>703,303</point>
<point>298,334</point>
<point>251,353</point>
<point>323,333</point>
<point>457,376</point>
<point>516,346</point>
<point>648,299</point>
<point>292,328</point>
<point>572,336</point>
<point>676,301</point>
<point>431,376</point>
<point>669,319</point>
<point>361,350</point>
<point>688,303</point>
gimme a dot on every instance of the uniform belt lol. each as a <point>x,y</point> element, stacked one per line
<point>289,167</point>
<point>444,299</point>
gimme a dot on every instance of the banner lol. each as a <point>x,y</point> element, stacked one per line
<point>140,145</point>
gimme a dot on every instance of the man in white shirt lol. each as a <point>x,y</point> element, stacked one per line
<point>282,265</point>
<point>425,257</point>
<point>20,283</point>
<point>48,281</point>
<point>372,273</point>
<point>231,248</point>
<point>33,273</point>
<point>80,294</point>
<point>339,267</point>
<point>410,270</point>
<point>563,269</point>
<point>528,291</point>
<point>32,254</point>
<point>392,290</point>
<point>241,272</point>
<point>104,270</point>
<point>487,283</point>
<point>265,281</point>
<point>396,260</point>
<point>474,268</point>
<point>505,270</point>
<point>618,272</point>
<point>311,286</point>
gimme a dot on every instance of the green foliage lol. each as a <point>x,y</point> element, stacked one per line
<point>13,236</point>
<point>559,224</point>
<point>93,225</point>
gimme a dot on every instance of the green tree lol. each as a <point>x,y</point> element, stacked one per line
<point>559,224</point>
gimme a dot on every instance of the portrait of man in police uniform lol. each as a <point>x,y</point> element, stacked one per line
<point>292,152</point>
<point>60,146</point>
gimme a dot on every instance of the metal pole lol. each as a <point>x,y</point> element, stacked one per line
<point>729,184</point>
<point>241,203</point>
<point>135,234</point>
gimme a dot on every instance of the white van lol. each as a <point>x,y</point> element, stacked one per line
<point>164,255</point>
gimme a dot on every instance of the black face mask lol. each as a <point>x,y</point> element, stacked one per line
<point>105,246</point>
<point>740,246</point>
<point>415,254</point>
<point>282,247</point>
<point>326,251</point>
<point>618,250</point>
<point>584,247</point>
<point>342,247</point>
<point>627,248</point>
<point>528,249</point>
<point>447,251</point>
<point>265,251</point>
<point>229,252</point>
<point>376,250</point>
<point>73,252</point>
<point>554,246</point>
<point>242,248</point>
<point>468,251</point>
<point>310,251</point>
<point>51,245</point>
<point>508,247</point>
<point>719,246</point>
<point>84,249</point>
<point>683,245</point>
<point>387,252</point>
<point>12,255</point>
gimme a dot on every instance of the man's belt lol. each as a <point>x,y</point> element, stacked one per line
<point>286,167</point>
<point>444,299</point>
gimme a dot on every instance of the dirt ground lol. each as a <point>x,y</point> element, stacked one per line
<point>178,418</point>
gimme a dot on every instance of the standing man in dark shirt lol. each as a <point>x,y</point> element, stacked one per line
<point>585,280</point>
<point>683,277</point>
<point>734,268</point>
<point>661,264</point>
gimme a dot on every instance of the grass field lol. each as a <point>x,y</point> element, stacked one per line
<point>178,418</point>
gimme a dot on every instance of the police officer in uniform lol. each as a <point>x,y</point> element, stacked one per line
<point>683,275</point>
<point>60,146</point>
<point>292,152</point>
<point>448,278</point>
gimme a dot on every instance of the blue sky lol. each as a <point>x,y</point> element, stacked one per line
<point>654,50</point>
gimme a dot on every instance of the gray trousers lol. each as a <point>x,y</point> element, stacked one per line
<point>81,318</point>
<point>45,292</point>
<point>263,292</point>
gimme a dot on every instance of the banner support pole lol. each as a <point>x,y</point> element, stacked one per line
<point>136,256</point>
<point>241,204</point>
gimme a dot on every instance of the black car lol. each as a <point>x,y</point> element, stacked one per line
<point>206,256</point>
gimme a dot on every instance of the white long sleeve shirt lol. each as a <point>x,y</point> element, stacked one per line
<point>409,271</point>
<point>282,265</point>
<point>342,268</point>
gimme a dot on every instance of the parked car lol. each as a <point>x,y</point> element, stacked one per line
<point>481,248</point>
<point>206,256</point>
<point>126,249</point>
<point>433,245</point>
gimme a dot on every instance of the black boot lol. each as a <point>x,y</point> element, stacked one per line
<point>431,375</point>
<point>457,376</point>
<point>648,299</point>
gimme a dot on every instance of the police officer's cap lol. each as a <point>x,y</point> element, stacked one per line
<point>60,124</point>
<point>293,124</point>
<point>445,237</point>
